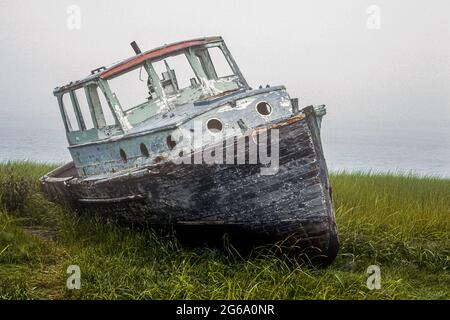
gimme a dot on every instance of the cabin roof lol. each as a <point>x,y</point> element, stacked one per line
<point>121,66</point>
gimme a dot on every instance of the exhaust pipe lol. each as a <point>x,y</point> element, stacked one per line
<point>136,48</point>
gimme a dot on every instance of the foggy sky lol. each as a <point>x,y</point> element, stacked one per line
<point>396,78</point>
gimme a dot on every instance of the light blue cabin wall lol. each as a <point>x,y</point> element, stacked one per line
<point>104,157</point>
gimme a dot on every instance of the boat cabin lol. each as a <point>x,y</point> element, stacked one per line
<point>134,113</point>
<point>112,101</point>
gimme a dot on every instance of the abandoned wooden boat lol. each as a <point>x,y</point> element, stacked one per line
<point>186,143</point>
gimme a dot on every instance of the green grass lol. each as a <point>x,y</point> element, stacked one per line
<point>401,223</point>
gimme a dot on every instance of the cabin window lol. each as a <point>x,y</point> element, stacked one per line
<point>131,88</point>
<point>221,65</point>
<point>107,112</point>
<point>171,143</point>
<point>84,108</point>
<point>181,75</point>
<point>87,107</point>
<point>123,155</point>
<point>144,150</point>
<point>69,110</point>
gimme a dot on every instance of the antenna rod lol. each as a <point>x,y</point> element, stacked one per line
<point>135,48</point>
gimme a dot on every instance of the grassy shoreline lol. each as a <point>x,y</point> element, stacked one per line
<point>400,223</point>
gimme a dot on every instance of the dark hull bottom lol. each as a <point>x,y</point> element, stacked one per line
<point>203,202</point>
<point>246,239</point>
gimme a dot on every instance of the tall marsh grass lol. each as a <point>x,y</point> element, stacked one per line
<point>401,223</point>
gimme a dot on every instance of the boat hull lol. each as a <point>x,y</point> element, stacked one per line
<point>293,205</point>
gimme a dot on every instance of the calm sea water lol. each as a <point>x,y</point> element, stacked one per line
<point>351,149</point>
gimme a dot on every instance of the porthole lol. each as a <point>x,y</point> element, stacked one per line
<point>263,108</point>
<point>214,125</point>
<point>123,155</point>
<point>170,142</point>
<point>144,150</point>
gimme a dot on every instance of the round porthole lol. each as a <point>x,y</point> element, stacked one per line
<point>263,108</point>
<point>123,155</point>
<point>214,125</point>
<point>144,150</point>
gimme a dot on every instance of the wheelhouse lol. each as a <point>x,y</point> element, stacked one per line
<point>111,101</point>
